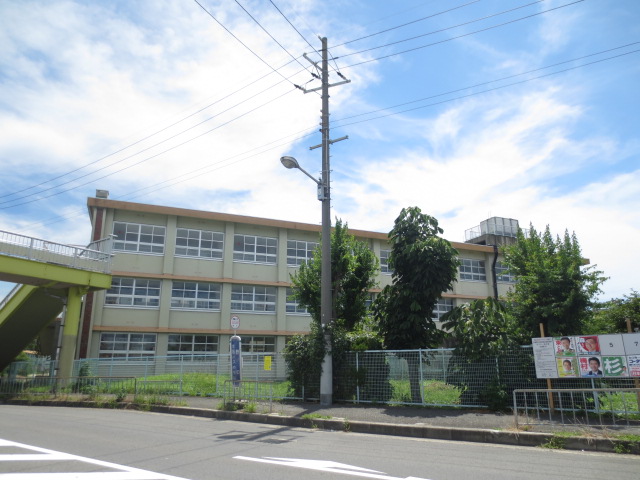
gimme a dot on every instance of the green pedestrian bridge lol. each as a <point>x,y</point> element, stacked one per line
<point>51,278</point>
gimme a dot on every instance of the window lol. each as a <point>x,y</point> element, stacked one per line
<point>258,344</point>
<point>502,275</point>
<point>299,252</point>
<point>443,306</point>
<point>199,243</point>
<point>133,237</point>
<point>128,346</point>
<point>292,304</point>
<point>192,347</point>
<point>195,295</point>
<point>248,248</point>
<point>133,292</point>
<point>384,262</point>
<point>472,270</point>
<point>247,298</point>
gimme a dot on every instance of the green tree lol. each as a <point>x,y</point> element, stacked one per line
<point>554,286</point>
<point>611,316</point>
<point>487,345</point>
<point>353,270</point>
<point>482,328</point>
<point>424,265</point>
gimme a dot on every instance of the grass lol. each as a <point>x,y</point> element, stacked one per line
<point>435,392</point>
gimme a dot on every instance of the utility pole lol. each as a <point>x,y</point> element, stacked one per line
<point>326,307</point>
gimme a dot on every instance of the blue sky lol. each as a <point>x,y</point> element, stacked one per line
<point>467,109</point>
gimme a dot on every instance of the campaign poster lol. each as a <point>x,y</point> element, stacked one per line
<point>631,343</point>
<point>588,345</point>
<point>564,346</point>
<point>633,364</point>
<point>611,344</point>
<point>567,367</point>
<point>590,366</point>
<point>544,357</point>
<point>614,366</point>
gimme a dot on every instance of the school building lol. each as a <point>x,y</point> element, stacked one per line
<point>180,275</point>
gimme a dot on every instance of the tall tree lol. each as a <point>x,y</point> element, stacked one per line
<point>554,286</point>
<point>424,266</point>
<point>353,270</point>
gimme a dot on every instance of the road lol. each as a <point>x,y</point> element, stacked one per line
<point>51,443</point>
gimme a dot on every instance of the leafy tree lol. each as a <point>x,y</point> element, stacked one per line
<point>486,337</point>
<point>482,328</point>
<point>553,285</point>
<point>424,265</point>
<point>353,270</point>
<point>611,316</point>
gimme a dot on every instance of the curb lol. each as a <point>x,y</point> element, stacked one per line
<point>476,435</point>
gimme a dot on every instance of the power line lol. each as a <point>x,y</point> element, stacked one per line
<point>242,43</point>
<point>268,33</point>
<point>311,130</point>
<point>494,81</point>
<point>293,26</point>
<point>408,23</point>
<point>487,90</point>
<point>145,159</point>
<point>146,138</point>
<point>448,39</point>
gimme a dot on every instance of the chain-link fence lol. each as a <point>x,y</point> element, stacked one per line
<point>413,377</point>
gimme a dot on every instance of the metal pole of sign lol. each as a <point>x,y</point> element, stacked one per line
<point>235,348</point>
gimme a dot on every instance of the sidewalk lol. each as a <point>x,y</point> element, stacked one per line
<point>418,422</point>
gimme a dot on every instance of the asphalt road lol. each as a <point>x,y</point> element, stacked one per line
<point>51,443</point>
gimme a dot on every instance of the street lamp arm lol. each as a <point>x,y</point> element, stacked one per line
<point>291,162</point>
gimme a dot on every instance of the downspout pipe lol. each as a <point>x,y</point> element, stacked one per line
<point>493,271</point>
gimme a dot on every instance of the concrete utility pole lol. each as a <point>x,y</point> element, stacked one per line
<point>324,195</point>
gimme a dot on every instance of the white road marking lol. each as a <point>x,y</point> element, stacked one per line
<point>326,466</point>
<point>123,473</point>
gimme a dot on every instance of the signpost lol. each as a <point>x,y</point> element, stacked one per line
<point>235,347</point>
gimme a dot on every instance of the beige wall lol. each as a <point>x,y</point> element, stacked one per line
<point>226,272</point>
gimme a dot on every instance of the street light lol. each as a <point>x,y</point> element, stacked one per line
<point>324,195</point>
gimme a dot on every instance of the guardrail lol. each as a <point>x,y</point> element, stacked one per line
<point>604,407</point>
<point>96,257</point>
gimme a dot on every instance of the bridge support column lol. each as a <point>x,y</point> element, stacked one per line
<point>70,331</point>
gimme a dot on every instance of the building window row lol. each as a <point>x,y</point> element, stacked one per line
<point>195,295</point>
<point>299,252</point>
<point>138,292</point>
<point>444,305</point>
<point>199,243</point>
<point>249,298</point>
<point>472,270</point>
<point>140,346</point>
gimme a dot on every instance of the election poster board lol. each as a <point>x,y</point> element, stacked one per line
<point>588,356</point>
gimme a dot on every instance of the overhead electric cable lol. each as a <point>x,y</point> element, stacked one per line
<point>492,81</point>
<point>447,39</point>
<point>148,158</point>
<point>293,26</point>
<point>409,23</point>
<point>271,36</point>
<point>242,43</point>
<point>312,130</point>
<point>487,90</point>
<point>150,136</point>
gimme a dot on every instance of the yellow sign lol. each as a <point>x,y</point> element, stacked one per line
<point>267,363</point>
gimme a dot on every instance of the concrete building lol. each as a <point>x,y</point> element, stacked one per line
<point>179,276</point>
